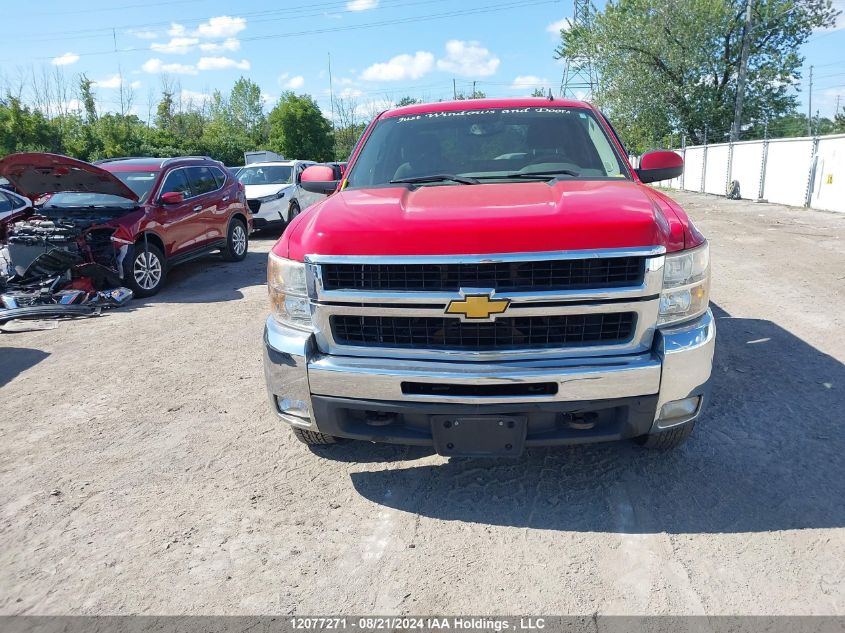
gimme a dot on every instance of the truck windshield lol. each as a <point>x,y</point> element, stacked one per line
<point>490,145</point>
<point>267,175</point>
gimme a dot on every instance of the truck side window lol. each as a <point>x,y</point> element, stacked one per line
<point>605,151</point>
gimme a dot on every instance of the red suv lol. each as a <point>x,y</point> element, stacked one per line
<point>134,216</point>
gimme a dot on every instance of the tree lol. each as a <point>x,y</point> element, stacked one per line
<point>247,111</point>
<point>298,129</point>
<point>348,126</point>
<point>406,101</point>
<point>538,92</point>
<point>671,65</point>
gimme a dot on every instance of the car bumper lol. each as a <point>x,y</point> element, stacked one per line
<point>581,400</point>
<point>272,213</point>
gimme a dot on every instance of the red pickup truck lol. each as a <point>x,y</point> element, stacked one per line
<point>491,275</point>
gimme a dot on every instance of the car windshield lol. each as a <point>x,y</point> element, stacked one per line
<point>78,199</point>
<point>141,182</point>
<point>488,145</point>
<point>266,175</point>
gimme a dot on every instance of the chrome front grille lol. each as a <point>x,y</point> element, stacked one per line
<point>562,274</point>
<point>537,332</point>
<point>563,304</point>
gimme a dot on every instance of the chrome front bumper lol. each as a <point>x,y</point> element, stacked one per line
<point>300,379</point>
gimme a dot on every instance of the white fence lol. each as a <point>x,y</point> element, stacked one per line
<point>807,172</point>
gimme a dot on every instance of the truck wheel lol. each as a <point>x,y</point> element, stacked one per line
<point>237,241</point>
<point>666,440</point>
<point>313,438</point>
<point>145,270</point>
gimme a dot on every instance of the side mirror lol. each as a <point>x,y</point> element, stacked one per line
<point>660,165</point>
<point>319,179</point>
<point>173,197</point>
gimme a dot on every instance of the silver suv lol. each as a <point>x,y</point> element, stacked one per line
<point>274,193</point>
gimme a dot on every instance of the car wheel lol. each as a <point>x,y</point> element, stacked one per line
<point>293,210</point>
<point>666,440</point>
<point>313,438</point>
<point>237,241</point>
<point>145,270</point>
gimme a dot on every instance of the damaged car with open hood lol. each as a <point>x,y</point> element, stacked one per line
<point>121,223</point>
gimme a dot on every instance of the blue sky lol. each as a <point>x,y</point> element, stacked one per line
<point>381,50</point>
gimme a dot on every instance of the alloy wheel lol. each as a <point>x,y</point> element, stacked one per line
<point>238,240</point>
<point>147,270</point>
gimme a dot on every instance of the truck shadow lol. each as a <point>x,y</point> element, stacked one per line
<point>766,456</point>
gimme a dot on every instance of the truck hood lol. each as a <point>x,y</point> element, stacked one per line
<point>487,218</point>
<point>259,191</point>
<point>35,174</point>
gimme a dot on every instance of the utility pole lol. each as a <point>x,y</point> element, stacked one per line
<point>473,89</point>
<point>836,111</point>
<point>331,106</point>
<point>810,106</point>
<point>454,90</point>
<point>743,69</point>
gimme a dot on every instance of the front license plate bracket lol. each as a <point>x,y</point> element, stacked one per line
<point>479,436</point>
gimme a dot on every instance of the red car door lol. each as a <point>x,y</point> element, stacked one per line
<point>178,220</point>
<point>210,224</point>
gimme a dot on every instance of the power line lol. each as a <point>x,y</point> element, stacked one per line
<point>290,13</point>
<point>354,27</point>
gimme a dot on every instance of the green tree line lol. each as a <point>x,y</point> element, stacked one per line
<point>223,127</point>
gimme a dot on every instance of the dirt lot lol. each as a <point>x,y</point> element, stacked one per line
<point>178,491</point>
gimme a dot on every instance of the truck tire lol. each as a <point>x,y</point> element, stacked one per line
<point>144,270</point>
<point>237,241</point>
<point>313,438</point>
<point>667,440</point>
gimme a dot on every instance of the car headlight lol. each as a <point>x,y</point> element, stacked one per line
<point>288,292</point>
<point>271,197</point>
<point>686,285</point>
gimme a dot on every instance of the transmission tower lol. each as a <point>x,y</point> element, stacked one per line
<point>579,78</point>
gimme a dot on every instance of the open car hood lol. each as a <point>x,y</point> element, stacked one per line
<point>35,174</point>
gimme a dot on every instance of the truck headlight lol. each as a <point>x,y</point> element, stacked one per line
<point>288,292</point>
<point>686,285</point>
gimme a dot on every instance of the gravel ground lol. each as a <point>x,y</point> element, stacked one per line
<point>141,470</point>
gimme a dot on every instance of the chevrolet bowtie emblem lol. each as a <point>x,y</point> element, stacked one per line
<point>477,306</point>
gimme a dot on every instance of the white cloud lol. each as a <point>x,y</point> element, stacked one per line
<point>230,44</point>
<point>291,83</point>
<point>350,93</point>
<point>560,25</point>
<point>143,34</point>
<point>468,59</point>
<point>177,30</point>
<point>115,81</point>
<point>194,97</point>
<point>221,63</point>
<point>400,67</point>
<point>155,66</point>
<point>529,83</point>
<point>66,59</point>
<point>221,26</point>
<point>361,5</point>
<point>176,46</point>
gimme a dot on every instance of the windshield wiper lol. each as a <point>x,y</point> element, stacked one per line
<point>464,180</point>
<point>541,175</point>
